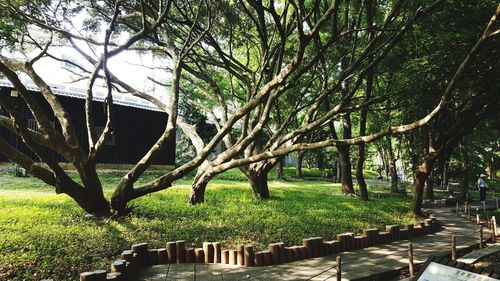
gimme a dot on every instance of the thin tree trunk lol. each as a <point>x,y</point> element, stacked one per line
<point>385,165</point>
<point>442,172</point>
<point>280,174</point>
<point>363,190</point>
<point>338,175</point>
<point>392,167</point>
<point>492,168</point>
<point>344,153</point>
<point>465,179</point>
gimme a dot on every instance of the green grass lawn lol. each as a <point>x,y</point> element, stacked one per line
<point>44,235</point>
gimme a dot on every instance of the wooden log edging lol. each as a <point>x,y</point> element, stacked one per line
<point>439,203</point>
<point>140,255</point>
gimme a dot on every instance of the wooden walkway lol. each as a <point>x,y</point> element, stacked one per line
<point>358,264</point>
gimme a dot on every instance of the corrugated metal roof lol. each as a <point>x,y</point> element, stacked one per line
<point>68,91</point>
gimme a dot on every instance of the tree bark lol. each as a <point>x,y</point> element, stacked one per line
<point>259,185</point>
<point>93,203</point>
<point>199,186</point>
<point>89,198</point>
<point>298,165</point>
<point>197,192</point>
<point>363,190</point>
<point>345,167</point>
<point>338,174</point>
<point>421,175</point>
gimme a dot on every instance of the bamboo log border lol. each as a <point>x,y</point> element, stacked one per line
<point>245,255</point>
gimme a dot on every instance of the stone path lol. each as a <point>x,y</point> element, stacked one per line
<point>355,264</point>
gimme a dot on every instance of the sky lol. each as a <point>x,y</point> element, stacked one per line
<point>129,66</point>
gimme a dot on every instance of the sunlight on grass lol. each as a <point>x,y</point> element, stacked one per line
<point>48,235</point>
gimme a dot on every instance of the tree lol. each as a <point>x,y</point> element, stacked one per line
<point>262,66</point>
<point>330,47</point>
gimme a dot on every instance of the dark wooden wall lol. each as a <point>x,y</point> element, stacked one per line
<point>136,130</point>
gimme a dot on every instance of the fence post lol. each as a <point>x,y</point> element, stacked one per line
<point>484,206</point>
<point>497,202</point>
<point>454,247</point>
<point>410,259</point>
<point>468,212</point>
<point>339,268</point>
<point>478,220</point>
<point>481,237</point>
<point>457,208</point>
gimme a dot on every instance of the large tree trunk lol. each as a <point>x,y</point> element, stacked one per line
<point>121,196</point>
<point>197,192</point>
<point>199,186</point>
<point>345,167</point>
<point>91,197</point>
<point>258,183</point>
<point>421,175</point>
<point>298,165</point>
<point>93,203</point>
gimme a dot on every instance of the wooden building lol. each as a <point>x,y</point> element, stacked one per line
<point>137,125</point>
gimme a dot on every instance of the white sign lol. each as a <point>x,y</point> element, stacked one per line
<point>440,272</point>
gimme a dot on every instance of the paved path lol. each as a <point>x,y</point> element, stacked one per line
<point>355,264</point>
